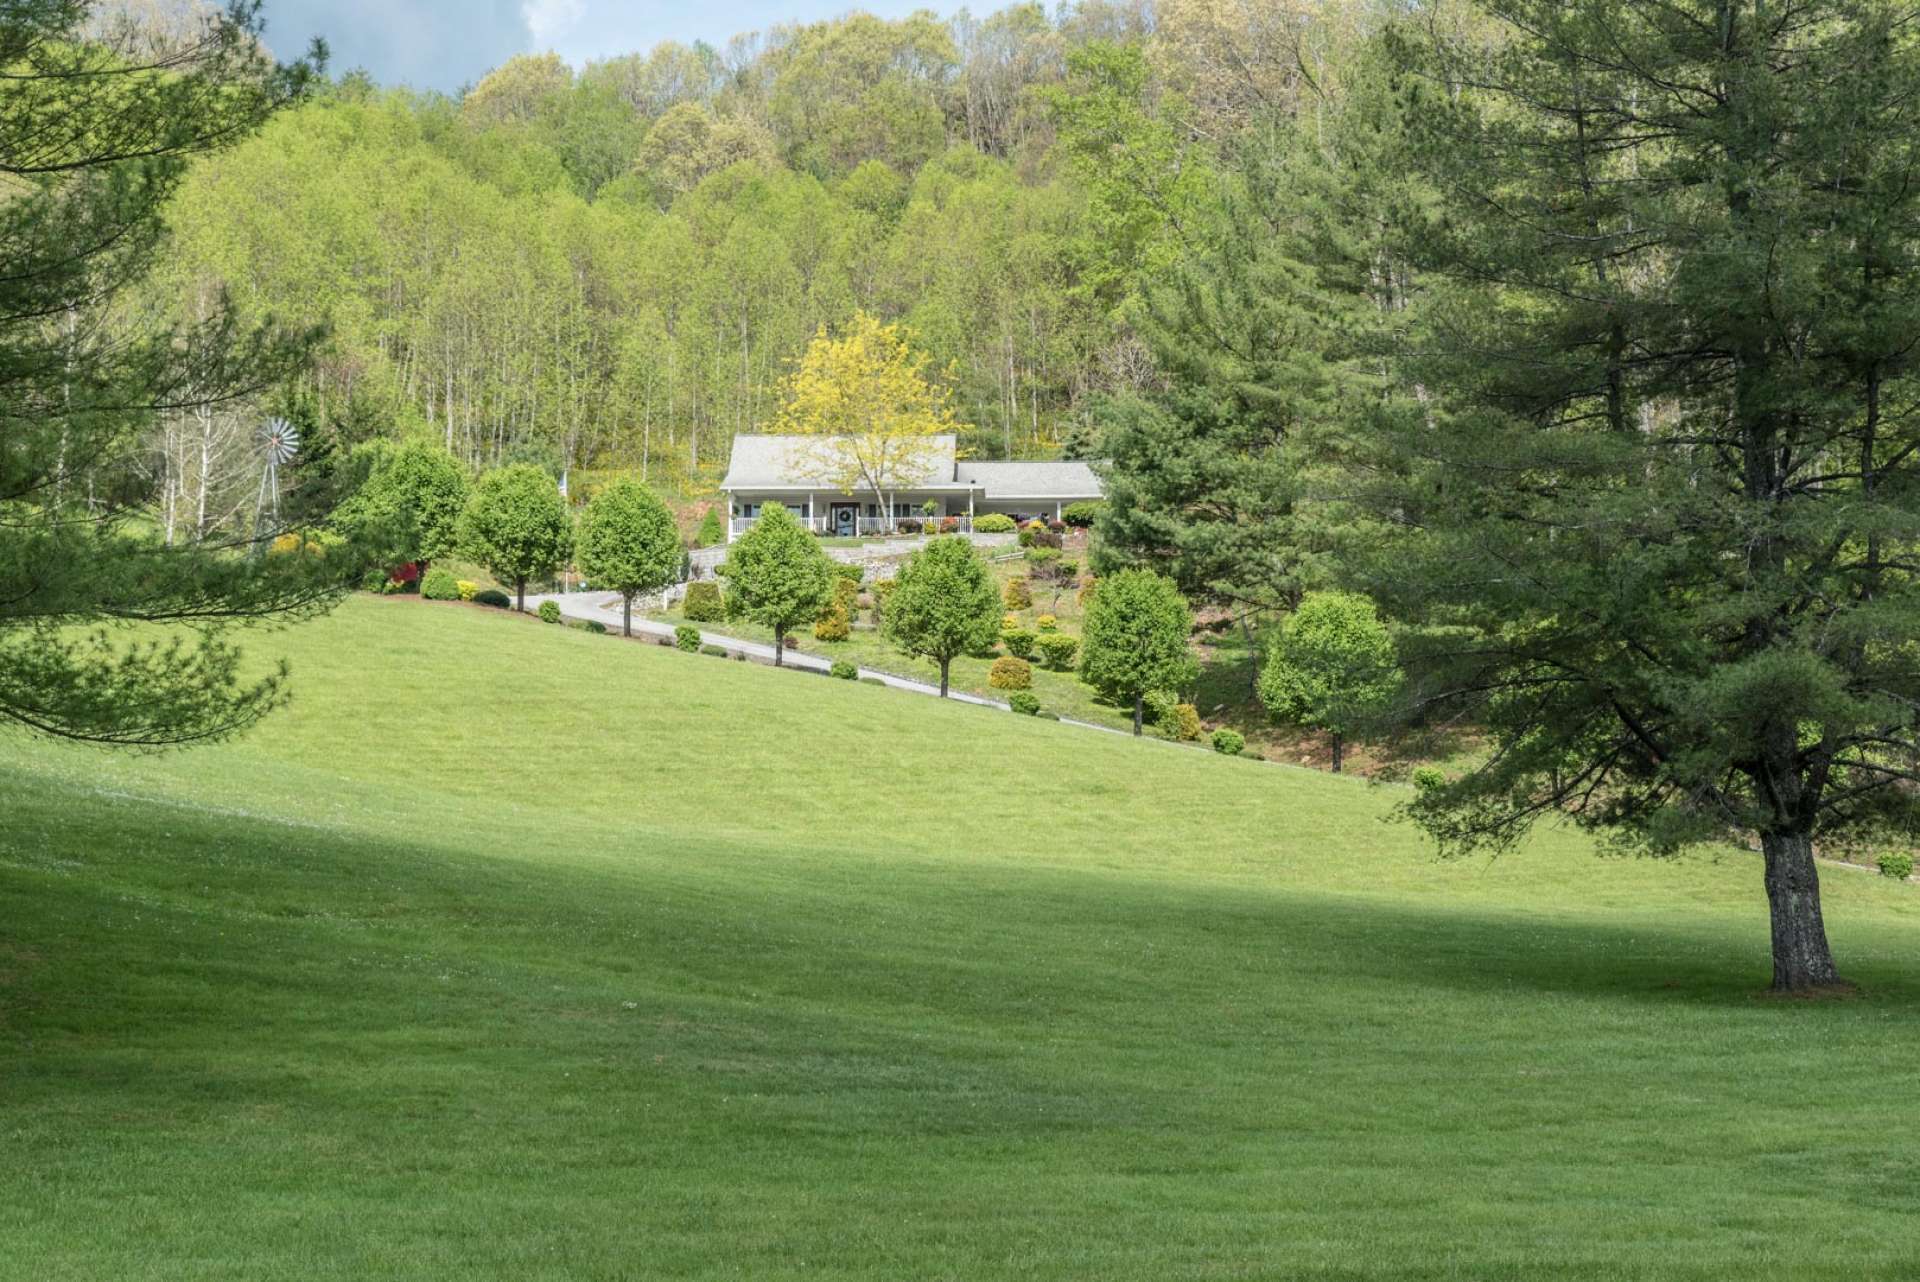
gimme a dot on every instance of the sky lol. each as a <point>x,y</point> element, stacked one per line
<point>444,44</point>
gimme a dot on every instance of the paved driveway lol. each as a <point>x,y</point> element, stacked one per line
<point>604,608</point>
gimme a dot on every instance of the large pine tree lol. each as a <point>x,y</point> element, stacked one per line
<point>93,141</point>
<point>1662,502</point>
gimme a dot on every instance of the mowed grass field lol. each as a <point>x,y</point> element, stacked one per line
<point>509,951</point>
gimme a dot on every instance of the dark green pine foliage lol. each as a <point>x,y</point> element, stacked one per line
<point>91,147</point>
<point>1268,334</point>
<point>1663,509</point>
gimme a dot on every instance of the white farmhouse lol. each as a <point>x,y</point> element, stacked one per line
<point>943,488</point>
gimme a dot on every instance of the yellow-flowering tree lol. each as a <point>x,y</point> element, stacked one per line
<point>871,410</point>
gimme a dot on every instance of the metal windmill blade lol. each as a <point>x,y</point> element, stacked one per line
<point>280,439</point>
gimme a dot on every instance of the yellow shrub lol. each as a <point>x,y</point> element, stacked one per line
<point>467,588</point>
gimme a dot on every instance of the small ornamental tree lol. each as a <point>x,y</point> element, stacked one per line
<point>628,543</point>
<point>777,576</point>
<point>516,525</point>
<point>1135,639</point>
<point>943,604</point>
<point>712,531</point>
<point>869,415</point>
<point>411,494</point>
<point>1332,666</point>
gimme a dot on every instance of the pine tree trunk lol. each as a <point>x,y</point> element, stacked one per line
<point>944,663</point>
<point>626,616</point>
<point>1139,713</point>
<point>520,595</point>
<point>1802,962</point>
<point>779,647</point>
<point>1253,658</point>
<point>1339,751</point>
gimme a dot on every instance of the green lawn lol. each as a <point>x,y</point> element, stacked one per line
<point>512,951</point>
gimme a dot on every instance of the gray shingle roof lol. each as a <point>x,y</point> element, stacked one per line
<point>1056,479</point>
<point>782,462</point>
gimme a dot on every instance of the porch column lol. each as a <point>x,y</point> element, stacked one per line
<point>1056,509</point>
<point>809,509</point>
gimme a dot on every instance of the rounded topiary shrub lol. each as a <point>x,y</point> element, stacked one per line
<point>993,523</point>
<point>1184,722</point>
<point>1057,650</point>
<point>440,585</point>
<point>1896,864</point>
<point>832,626</point>
<point>493,597</point>
<point>1229,743</point>
<point>1427,778</point>
<point>1009,673</point>
<point>1024,702</point>
<point>687,638</point>
<point>1047,623</point>
<point>1081,515</point>
<point>468,588</point>
<point>717,651</point>
<point>1019,594</point>
<point>596,627</point>
<point>704,603</point>
<point>549,612</point>
<point>1019,642</point>
<point>844,671</point>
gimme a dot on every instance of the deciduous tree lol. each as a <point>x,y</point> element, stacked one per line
<point>777,576</point>
<point>1332,666</point>
<point>869,408</point>
<point>1134,639</point>
<point>943,604</point>
<point>628,543</point>
<point>515,523</point>
<point>412,493</point>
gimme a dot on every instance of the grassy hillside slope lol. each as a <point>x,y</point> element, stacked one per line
<point>510,951</point>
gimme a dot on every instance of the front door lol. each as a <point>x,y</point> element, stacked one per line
<point>844,519</point>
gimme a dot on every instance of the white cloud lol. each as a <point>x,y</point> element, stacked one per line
<point>549,20</point>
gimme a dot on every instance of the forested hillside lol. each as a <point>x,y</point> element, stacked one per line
<point>614,267</point>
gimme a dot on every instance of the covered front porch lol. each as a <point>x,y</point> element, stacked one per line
<point>941,511</point>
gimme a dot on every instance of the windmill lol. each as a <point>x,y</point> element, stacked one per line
<point>279,442</point>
